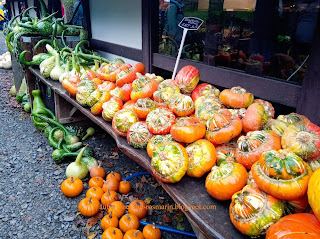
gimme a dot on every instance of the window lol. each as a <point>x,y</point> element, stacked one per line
<point>272,40</point>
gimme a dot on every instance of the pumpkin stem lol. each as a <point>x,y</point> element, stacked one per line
<point>94,189</point>
<point>128,217</point>
<point>90,200</point>
<point>99,164</point>
<point>153,225</point>
<point>110,215</point>
<point>72,180</point>
<point>138,203</point>
<point>114,232</point>
<point>108,192</point>
<point>136,233</point>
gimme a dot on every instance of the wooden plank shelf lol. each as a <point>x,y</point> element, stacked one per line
<point>214,223</point>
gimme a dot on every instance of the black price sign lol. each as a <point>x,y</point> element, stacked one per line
<point>191,23</point>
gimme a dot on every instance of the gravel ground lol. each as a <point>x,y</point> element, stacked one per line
<point>32,205</point>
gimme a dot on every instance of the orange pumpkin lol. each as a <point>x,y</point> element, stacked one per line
<point>95,192</point>
<point>110,184</point>
<point>299,205</point>
<point>236,97</point>
<point>112,233</point>
<point>226,153</point>
<point>143,87</point>
<point>151,232</point>
<point>157,140</point>
<point>252,211</point>
<point>114,175</point>
<point>295,226</point>
<point>187,130</point>
<point>138,208</point>
<point>181,105</point>
<point>202,157</point>
<point>117,208</point>
<point>124,187</point>
<point>160,120</point>
<point>109,221</point>
<point>282,174</point>
<point>72,187</point>
<point>222,127</point>
<point>143,107</point>
<point>128,222</point>
<point>187,79</point>
<point>109,197</point>
<point>96,182</point>
<point>254,144</point>
<point>268,108</point>
<point>122,120</point>
<point>254,118</point>
<point>133,234</point>
<point>204,89</point>
<point>111,107</point>
<point>225,180</point>
<point>89,206</point>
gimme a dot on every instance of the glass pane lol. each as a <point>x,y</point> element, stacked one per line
<point>272,40</point>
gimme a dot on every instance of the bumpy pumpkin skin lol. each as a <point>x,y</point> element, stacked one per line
<point>181,105</point>
<point>165,94</point>
<point>157,140</point>
<point>295,226</point>
<point>206,110</point>
<point>282,174</point>
<point>222,127</point>
<point>122,121</point>
<point>252,211</point>
<point>268,108</point>
<point>255,118</point>
<point>138,135</point>
<point>275,125</point>
<point>187,130</point>
<point>303,140</point>
<point>225,180</point>
<point>160,121</point>
<point>293,118</point>
<point>226,153</point>
<point>143,107</point>
<point>111,107</point>
<point>169,162</point>
<point>299,205</point>
<point>204,89</point>
<point>314,193</point>
<point>236,97</point>
<point>202,157</point>
<point>187,79</point>
<point>254,144</point>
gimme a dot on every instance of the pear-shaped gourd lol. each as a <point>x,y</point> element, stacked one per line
<point>57,71</point>
<point>77,169</point>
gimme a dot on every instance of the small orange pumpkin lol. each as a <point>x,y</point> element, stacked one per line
<point>187,130</point>
<point>133,234</point>
<point>109,221</point>
<point>96,182</point>
<point>95,192</point>
<point>236,97</point>
<point>89,206</point>
<point>138,208</point>
<point>112,184</point>
<point>151,232</point>
<point>112,233</point>
<point>128,222</point>
<point>109,197</point>
<point>117,208</point>
<point>72,187</point>
<point>98,171</point>
<point>124,187</point>
<point>114,175</point>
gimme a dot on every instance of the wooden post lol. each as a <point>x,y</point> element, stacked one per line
<point>309,103</point>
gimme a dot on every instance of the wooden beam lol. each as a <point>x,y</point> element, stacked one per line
<point>128,52</point>
<point>309,102</point>
<point>87,18</point>
<point>274,90</point>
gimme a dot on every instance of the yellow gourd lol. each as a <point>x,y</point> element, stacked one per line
<point>314,193</point>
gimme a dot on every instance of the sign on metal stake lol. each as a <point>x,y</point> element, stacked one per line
<point>187,23</point>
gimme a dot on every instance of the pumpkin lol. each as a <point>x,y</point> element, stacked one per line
<point>314,193</point>
<point>164,94</point>
<point>282,174</point>
<point>226,153</point>
<point>94,97</point>
<point>250,180</point>
<point>138,208</point>
<point>109,221</point>
<point>298,205</point>
<point>109,197</point>
<point>295,226</point>
<point>222,127</point>
<point>156,140</point>
<point>208,98</point>
<point>96,182</point>
<point>202,157</point>
<point>254,144</point>
<point>124,187</point>
<point>125,77</point>
<point>160,120</point>
<point>112,184</point>
<point>240,113</point>
<point>169,162</point>
<point>303,140</point>
<point>143,87</point>
<point>187,79</point>
<point>236,97</point>
<point>111,107</point>
<point>151,232</point>
<point>275,125</point>
<point>133,234</point>
<point>95,192</point>
<point>115,92</point>
<point>252,211</point>
<point>108,72</point>
<point>89,206</point>
<point>84,90</point>
<point>314,164</point>
<point>187,130</point>
<point>117,208</point>
<point>112,233</point>
<point>139,135</point>
<point>98,171</point>
<point>204,89</point>
<point>181,105</point>
<point>114,175</point>
<point>206,110</point>
<point>97,109</point>
<point>254,118</point>
<point>143,107</point>
<point>128,222</point>
<point>122,121</point>
<point>293,118</point>
<point>129,105</point>
<point>107,86</point>
<point>72,187</point>
<point>125,92</point>
<point>225,180</point>
<point>268,108</point>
